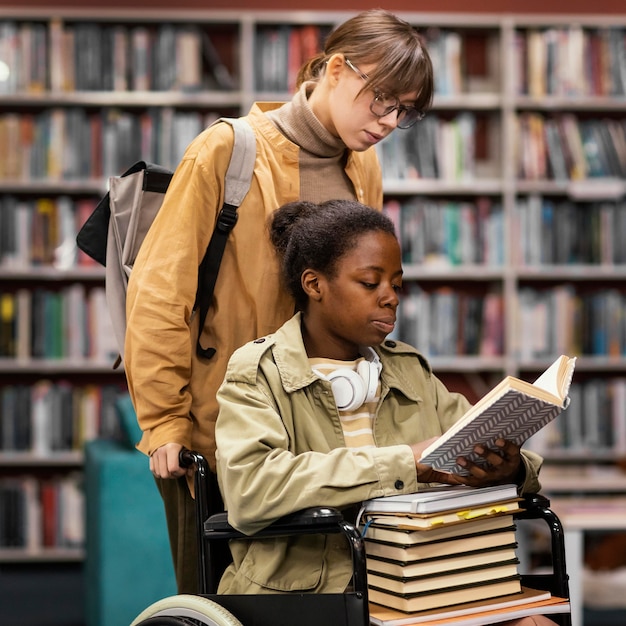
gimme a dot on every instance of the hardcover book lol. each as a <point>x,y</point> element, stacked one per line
<point>411,602</point>
<point>429,521</point>
<point>465,561</point>
<point>444,580</point>
<point>477,613</point>
<point>514,410</point>
<point>442,548</point>
<point>441,499</point>
<point>377,527</point>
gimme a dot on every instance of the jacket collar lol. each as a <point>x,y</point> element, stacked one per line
<point>280,144</point>
<point>295,371</point>
<point>290,356</point>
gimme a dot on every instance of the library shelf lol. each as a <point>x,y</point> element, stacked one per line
<point>459,186</point>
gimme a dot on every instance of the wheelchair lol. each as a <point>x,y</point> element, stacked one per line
<point>349,608</point>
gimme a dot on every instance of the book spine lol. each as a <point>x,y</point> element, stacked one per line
<point>46,416</point>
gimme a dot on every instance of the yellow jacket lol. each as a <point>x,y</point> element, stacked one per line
<point>173,391</point>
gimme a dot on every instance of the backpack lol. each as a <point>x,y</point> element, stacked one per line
<point>114,232</point>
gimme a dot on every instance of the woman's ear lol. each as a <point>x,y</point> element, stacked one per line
<point>310,282</point>
<point>334,66</point>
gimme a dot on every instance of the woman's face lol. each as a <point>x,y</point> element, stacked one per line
<point>358,305</point>
<point>349,114</point>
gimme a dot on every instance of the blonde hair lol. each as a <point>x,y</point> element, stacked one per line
<point>380,38</point>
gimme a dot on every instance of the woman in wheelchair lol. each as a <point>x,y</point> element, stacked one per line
<point>328,410</point>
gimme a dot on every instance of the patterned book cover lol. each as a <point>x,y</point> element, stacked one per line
<point>513,410</point>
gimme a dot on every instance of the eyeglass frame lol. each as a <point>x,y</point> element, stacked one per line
<point>400,108</point>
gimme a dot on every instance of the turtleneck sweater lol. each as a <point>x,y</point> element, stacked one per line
<point>322,156</point>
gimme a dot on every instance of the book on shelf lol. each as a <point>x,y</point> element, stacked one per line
<point>120,58</point>
<point>466,561</point>
<point>393,528</point>
<point>304,44</point>
<point>477,613</point>
<point>514,409</point>
<point>441,548</point>
<point>46,513</point>
<point>11,514</point>
<point>423,601</point>
<point>451,580</point>
<point>8,322</point>
<point>271,58</point>
<point>220,73</point>
<point>439,499</point>
<point>50,512</point>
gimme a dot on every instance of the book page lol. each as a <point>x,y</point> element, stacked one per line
<point>558,377</point>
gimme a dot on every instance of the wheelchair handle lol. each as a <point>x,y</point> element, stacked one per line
<point>205,488</point>
<point>188,458</point>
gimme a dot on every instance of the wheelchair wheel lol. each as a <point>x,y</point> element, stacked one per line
<point>183,610</point>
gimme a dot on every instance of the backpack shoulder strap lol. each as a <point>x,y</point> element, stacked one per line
<point>236,186</point>
<point>241,166</point>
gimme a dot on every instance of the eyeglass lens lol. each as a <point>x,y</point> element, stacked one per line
<point>383,104</point>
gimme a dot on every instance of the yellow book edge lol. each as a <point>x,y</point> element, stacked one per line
<point>452,516</point>
<point>400,526</point>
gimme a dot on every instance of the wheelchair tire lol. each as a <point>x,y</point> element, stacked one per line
<point>186,609</point>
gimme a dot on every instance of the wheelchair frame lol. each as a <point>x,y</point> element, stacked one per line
<point>304,609</point>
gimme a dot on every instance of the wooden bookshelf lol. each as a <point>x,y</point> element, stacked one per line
<point>474,188</point>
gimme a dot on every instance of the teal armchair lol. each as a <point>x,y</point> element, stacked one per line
<point>128,561</point>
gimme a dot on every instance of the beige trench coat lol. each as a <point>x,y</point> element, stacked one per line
<point>281,449</point>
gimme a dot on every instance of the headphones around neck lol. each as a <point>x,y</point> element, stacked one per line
<point>352,389</point>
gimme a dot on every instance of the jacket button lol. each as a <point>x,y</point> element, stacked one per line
<point>261,340</point>
<point>399,484</point>
<point>390,344</point>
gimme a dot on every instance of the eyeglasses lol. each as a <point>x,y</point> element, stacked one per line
<point>383,104</point>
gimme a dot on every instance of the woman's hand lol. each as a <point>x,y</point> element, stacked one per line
<point>164,462</point>
<point>426,474</point>
<point>499,466</point>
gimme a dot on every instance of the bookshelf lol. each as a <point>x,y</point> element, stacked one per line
<point>74,111</point>
<point>500,228</point>
<point>473,188</point>
<point>572,283</point>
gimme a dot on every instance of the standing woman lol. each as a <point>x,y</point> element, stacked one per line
<point>373,76</point>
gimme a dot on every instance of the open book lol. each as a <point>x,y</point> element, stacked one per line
<point>514,410</point>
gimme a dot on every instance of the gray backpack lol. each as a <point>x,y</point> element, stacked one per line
<point>114,232</point>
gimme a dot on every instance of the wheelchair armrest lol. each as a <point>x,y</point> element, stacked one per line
<point>212,524</point>
<point>319,519</point>
<point>533,506</point>
<point>537,507</point>
<point>313,520</point>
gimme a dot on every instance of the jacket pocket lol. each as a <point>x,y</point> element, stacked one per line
<point>285,564</point>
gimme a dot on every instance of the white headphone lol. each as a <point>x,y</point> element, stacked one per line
<point>352,389</point>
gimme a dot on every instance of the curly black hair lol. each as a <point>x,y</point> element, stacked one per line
<point>308,235</point>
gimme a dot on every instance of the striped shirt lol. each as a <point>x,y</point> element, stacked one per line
<point>356,424</point>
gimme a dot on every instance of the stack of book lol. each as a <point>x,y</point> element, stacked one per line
<point>440,553</point>
<point>441,547</point>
